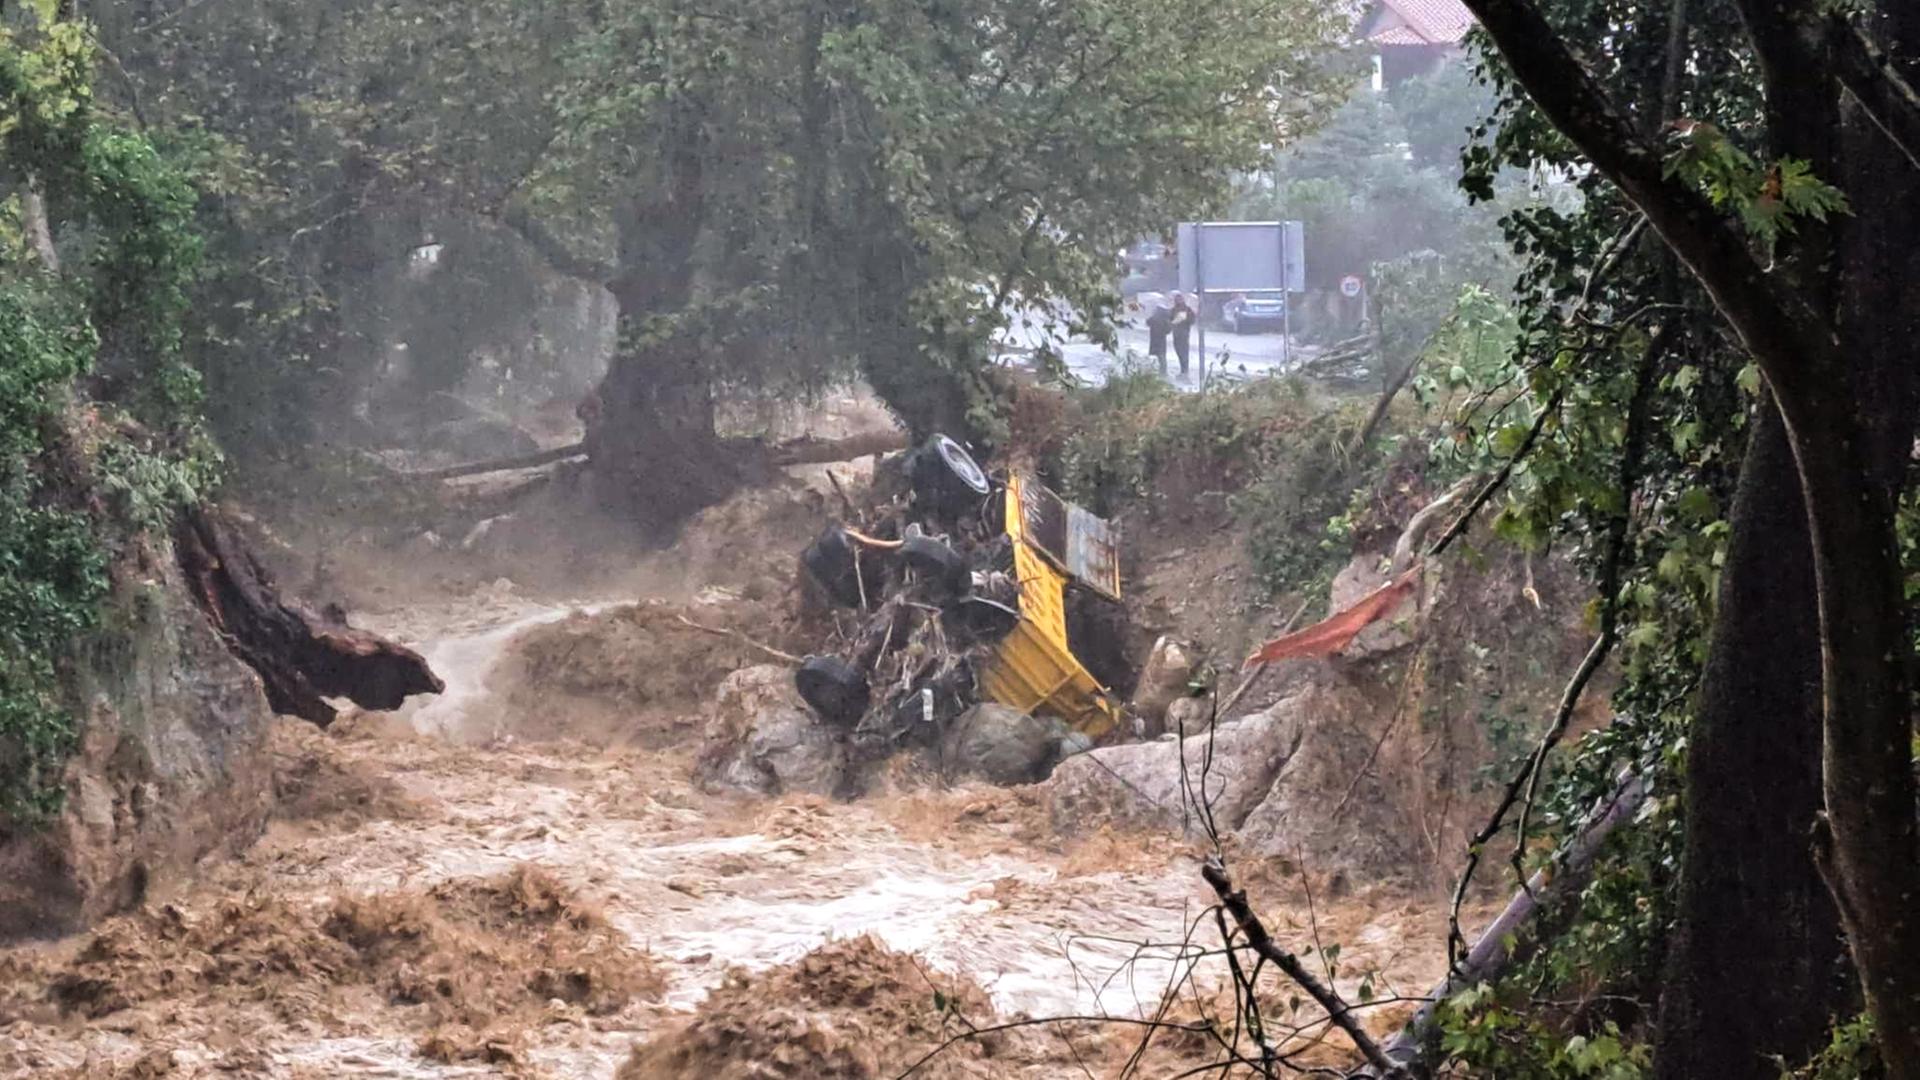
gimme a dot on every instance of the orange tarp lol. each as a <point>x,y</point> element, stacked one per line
<point>1333,634</point>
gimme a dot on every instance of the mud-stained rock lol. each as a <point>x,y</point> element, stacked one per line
<point>1332,809</point>
<point>1298,780</point>
<point>172,762</point>
<point>1002,745</point>
<point>762,739</point>
<point>1163,681</point>
<point>1157,783</point>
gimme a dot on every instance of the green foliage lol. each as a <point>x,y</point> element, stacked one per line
<point>1852,1054</point>
<point>1767,199</point>
<point>1376,189</point>
<point>785,193</point>
<point>1586,374</point>
<point>1510,1044</point>
<point>116,310</point>
<point>1272,449</point>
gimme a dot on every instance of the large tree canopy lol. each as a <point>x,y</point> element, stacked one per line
<point>779,194</point>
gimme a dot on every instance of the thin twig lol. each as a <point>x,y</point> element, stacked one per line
<point>784,657</point>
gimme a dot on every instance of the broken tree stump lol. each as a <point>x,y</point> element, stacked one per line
<point>302,657</point>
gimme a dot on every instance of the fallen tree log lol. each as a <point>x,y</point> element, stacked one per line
<point>518,461</point>
<point>796,452</point>
<point>302,657</point>
<point>1501,943</point>
<point>828,451</point>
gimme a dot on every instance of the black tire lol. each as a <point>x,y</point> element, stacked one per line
<point>946,479</point>
<point>829,561</point>
<point>937,564</point>
<point>833,688</point>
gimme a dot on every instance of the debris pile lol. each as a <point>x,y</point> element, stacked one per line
<point>943,629</point>
<point>850,1010</point>
<point>469,964</point>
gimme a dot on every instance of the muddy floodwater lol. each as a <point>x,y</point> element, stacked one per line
<point>423,803</point>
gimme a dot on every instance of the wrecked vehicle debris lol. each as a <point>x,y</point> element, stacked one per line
<point>953,596</point>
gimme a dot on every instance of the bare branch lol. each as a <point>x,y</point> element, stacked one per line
<point>1262,943</point>
<point>551,248</point>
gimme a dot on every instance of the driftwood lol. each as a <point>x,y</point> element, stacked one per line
<point>719,631</point>
<point>1501,943</point>
<point>302,657</point>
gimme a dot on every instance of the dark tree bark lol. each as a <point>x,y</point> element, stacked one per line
<point>301,656</point>
<point>1868,845</point>
<point>656,457</point>
<point>1753,910</point>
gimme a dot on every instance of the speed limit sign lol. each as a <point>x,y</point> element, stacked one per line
<point>1350,285</point>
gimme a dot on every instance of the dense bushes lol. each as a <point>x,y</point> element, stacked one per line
<point>79,474</point>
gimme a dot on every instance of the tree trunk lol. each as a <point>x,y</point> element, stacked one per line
<point>1753,911</point>
<point>1874,867</point>
<point>1836,421</point>
<point>655,455</point>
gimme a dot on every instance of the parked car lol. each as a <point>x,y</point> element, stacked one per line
<point>1145,253</point>
<point>1252,314</point>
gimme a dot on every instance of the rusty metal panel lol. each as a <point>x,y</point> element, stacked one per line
<point>1093,552</point>
<point>1073,539</point>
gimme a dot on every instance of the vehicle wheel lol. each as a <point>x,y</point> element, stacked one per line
<point>833,688</point>
<point>829,561</point>
<point>938,564</point>
<point>947,479</point>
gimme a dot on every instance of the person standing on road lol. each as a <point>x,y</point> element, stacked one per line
<point>1158,324</point>
<point>1182,318</point>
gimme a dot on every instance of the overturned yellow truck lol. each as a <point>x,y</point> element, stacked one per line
<point>1034,669</point>
<point>965,597</point>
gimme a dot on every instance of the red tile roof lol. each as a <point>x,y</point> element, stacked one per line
<point>1416,22</point>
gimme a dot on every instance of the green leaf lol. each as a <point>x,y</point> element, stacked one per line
<point>1697,505</point>
<point>1508,440</point>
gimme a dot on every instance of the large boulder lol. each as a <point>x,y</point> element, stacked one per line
<point>1312,777</point>
<point>762,739</point>
<point>1156,783</point>
<point>1001,744</point>
<point>173,762</point>
<point>1163,681</point>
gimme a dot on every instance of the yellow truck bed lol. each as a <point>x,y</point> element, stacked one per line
<point>1033,670</point>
